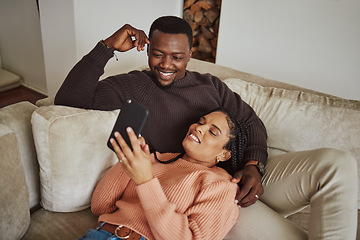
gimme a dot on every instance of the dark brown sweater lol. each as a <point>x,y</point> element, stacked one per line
<point>172,109</point>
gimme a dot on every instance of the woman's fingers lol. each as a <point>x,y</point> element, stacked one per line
<point>123,145</point>
<point>135,142</point>
<point>136,162</point>
<point>120,155</point>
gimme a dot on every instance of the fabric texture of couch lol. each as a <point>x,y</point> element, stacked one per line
<point>55,155</point>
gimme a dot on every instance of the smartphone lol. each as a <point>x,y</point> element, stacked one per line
<point>133,115</point>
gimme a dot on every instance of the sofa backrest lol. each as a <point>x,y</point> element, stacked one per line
<point>297,121</point>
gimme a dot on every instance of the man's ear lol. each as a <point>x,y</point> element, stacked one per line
<point>190,54</point>
<point>224,156</point>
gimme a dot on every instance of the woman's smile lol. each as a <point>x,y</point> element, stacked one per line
<point>194,137</point>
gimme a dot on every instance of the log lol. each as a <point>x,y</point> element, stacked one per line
<point>206,5</point>
<point>194,26</point>
<point>214,42</point>
<point>204,45</point>
<point>198,16</point>
<point>212,14</point>
<point>188,16</point>
<point>207,33</point>
<point>195,8</point>
<point>188,3</point>
<point>204,22</point>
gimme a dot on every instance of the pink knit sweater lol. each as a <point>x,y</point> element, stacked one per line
<point>183,201</point>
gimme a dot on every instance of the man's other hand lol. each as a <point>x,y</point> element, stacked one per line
<point>249,180</point>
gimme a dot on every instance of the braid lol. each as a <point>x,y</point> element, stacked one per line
<point>238,139</point>
<point>237,146</point>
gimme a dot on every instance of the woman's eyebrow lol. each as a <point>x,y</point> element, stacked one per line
<point>204,118</point>
<point>216,127</point>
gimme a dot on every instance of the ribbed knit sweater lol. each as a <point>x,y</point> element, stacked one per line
<point>183,201</point>
<point>172,109</point>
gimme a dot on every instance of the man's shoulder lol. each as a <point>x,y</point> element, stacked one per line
<point>204,77</point>
<point>140,72</point>
<point>131,75</point>
<point>200,74</point>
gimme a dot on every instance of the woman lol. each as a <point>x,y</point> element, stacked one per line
<point>172,196</point>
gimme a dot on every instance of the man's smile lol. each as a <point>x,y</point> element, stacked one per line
<point>166,74</point>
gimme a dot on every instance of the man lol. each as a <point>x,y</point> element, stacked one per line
<point>176,98</point>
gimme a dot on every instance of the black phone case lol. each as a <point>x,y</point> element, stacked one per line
<point>131,115</point>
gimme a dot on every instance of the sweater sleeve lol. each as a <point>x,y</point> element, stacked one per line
<point>81,84</point>
<point>256,148</point>
<point>109,190</point>
<point>211,216</point>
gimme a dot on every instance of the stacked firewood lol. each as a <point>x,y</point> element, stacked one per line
<point>203,17</point>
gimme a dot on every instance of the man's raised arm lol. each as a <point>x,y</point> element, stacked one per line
<point>80,85</point>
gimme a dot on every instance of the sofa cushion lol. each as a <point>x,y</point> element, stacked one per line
<point>62,226</point>
<point>17,117</point>
<point>14,197</point>
<point>298,121</point>
<point>72,154</point>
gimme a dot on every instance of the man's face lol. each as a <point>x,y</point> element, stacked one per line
<point>168,55</point>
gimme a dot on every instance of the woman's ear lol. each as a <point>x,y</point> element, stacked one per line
<point>224,156</point>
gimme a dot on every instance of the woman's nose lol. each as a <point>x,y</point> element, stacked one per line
<point>200,129</point>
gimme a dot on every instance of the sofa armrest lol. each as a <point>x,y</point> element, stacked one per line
<point>14,197</point>
<point>17,118</point>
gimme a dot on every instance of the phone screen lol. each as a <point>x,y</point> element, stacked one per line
<point>131,115</point>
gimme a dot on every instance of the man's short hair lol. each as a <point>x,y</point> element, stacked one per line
<point>172,25</point>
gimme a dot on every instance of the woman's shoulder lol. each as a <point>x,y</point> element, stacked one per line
<point>220,173</point>
<point>214,176</point>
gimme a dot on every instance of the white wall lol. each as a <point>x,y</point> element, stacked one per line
<point>71,28</point>
<point>312,44</point>
<point>58,36</point>
<point>20,42</point>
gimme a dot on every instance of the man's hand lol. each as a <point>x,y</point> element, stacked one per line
<point>251,188</point>
<point>126,38</point>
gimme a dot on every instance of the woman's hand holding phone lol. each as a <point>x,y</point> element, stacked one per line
<point>136,162</point>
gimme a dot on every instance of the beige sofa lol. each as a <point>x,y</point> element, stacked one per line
<point>54,156</point>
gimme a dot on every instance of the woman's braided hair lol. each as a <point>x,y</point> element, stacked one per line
<point>238,139</point>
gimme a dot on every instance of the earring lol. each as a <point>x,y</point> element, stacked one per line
<point>217,160</point>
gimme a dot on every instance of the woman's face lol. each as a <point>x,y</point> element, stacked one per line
<point>204,143</point>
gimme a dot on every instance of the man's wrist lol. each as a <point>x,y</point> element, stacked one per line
<point>107,45</point>
<point>259,165</point>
